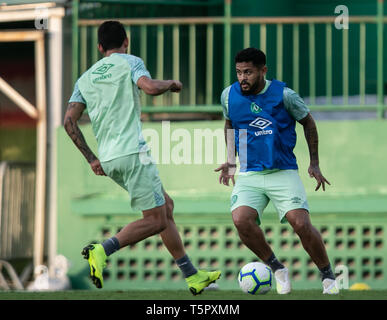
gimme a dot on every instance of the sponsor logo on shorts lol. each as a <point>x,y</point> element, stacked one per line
<point>296,200</point>
<point>234,199</point>
<point>159,199</point>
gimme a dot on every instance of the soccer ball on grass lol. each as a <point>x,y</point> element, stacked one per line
<point>255,278</point>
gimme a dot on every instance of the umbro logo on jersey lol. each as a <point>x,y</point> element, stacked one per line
<point>103,69</point>
<point>260,123</point>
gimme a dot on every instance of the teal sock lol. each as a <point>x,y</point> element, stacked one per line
<point>327,273</point>
<point>186,266</point>
<point>111,245</point>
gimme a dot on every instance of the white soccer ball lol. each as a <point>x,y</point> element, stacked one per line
<point>255,278</point>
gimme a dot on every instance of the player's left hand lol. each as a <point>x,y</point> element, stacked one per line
<point>314,172</point>
<point>227,173</point>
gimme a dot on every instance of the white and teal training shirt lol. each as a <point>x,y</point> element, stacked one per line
<point>109,91</point>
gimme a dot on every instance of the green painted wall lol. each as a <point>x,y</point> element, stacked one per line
<point>351,157</point>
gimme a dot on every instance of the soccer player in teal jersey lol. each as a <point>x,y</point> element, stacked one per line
<point>262,115</point>
<point>110,92</point>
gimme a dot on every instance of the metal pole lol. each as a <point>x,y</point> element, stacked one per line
<point>227,43</point>
<point>380,60</point>
<point>54,122</point>
<point>41,143</point>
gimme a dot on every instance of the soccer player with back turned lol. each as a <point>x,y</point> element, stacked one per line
<point>262,115</point>
<point>110,92</point>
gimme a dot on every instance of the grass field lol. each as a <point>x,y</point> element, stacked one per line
<point>185,295</point>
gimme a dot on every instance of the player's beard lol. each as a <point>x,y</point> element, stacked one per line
<point>252,88</point>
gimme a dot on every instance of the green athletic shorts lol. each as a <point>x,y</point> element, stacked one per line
<point>283,187</point>
<point>137,173</point>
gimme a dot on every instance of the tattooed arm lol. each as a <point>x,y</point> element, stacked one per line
<point>73,114</point>
<point>311,136</point>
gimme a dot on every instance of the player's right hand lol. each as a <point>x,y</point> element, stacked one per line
<point>227,173</point>
<point>97,168</point>
<point>176,86</point>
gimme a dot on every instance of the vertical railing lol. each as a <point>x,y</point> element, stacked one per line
<point>210,63</point>
<point>362,62</point>
<point>312,64</point>
<point>246,35</point>
<point>75,40</point>
<point>192,64</point>
<point>160,59</point>
<point>143,54</point>
<point>176,61</point>
<point>380,82</point>
<point>202,62</point>
<point>345,67</point>
<point>17,202</point>
<point>279,56</point>
<point>262,37</point>
<point>227,43</point>
<point>328,55</point>
<point>296,57</point>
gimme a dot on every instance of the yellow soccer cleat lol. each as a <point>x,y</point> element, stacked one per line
<point>200,280</point>
<point>95,255</point>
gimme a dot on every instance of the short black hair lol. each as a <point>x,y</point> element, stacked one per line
<point>256,56</point>
<point>111,35</point>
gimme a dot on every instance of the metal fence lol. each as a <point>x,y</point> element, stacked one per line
<point>17,204</point>
<point>332,69</point>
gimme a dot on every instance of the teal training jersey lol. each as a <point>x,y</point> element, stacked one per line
<point>109,90</point>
